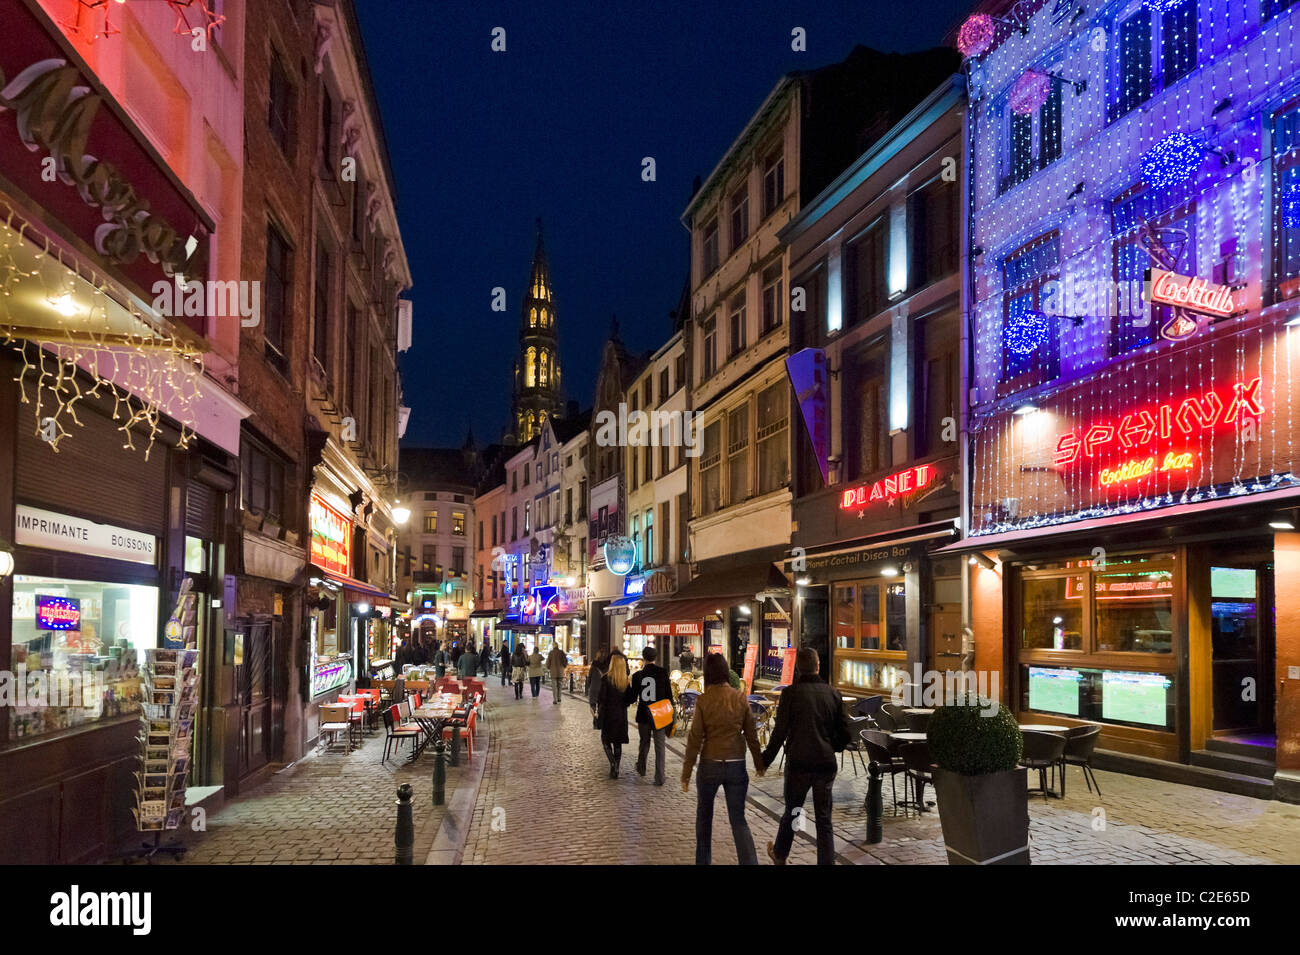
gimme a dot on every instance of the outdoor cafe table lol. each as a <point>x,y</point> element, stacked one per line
<point>909,737</point>
<point>918,717</point>
<point>433,716</point>
<point>1042,728</point>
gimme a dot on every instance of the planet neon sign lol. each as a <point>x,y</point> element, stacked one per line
<point>890,488</point>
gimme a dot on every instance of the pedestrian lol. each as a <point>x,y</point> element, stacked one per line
<point>535,671</point>
<point>440,661</point>
<point>614,698</point>
<point>596,673</point>
<point>813,727</point>
<point>519,668</point>
<point>505,662</point>
<point>456,650</point>
<point>650,685</point>
<point>556,661</point>
<point>485,658</point>
<point>686,661</point>
<point>723,725</point>
<point>467,665</point>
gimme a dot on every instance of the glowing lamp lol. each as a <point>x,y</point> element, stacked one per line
<point>1291,207</point>
<point>1163,6</point>
<point>1172,160</point>
<point>976,35</point>
<point>1025,332</point>
<point>401,514</point>
<point>1030,92</point>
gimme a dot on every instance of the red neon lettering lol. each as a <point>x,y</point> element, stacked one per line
<point>1245,400</point>
<point>1097,435</point>
<point>1191,408</point>
<point>1067,449</point>
<point>904,482</point>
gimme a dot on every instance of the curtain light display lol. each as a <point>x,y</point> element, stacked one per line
<point>1030,92</point>
<point>1173,80</point>
<point>976,34</point>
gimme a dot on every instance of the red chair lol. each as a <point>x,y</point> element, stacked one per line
<point>466,733</point>
<point>397,731</point>
<point>416,702</point>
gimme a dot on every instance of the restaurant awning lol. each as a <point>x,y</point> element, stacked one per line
<point>747,581</point>
<point>485,614</point>
<point>354,591</point>
<point>681,618</point>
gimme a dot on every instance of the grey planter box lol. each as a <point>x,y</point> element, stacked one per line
<point>985,818</point>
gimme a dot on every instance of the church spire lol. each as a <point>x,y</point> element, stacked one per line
<point>537,394</point>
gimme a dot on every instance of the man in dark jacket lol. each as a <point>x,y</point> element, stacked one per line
<point>812,725</point>
<point>650,685</point>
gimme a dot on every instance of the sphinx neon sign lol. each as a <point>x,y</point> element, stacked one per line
<point>1178,419</point>
<point>890,488</point>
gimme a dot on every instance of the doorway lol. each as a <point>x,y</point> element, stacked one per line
<point>944,654</point>
<point>814,629</point>
<point>1242,644</point>
<point>253,695</point>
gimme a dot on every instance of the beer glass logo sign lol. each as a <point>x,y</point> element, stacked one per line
<point>620,554</point>
<point>57,613</point>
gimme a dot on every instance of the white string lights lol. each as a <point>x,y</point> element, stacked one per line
<point>1062,188</point>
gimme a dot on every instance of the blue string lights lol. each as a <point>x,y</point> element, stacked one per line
<point>1171,161</point>
<point>1026,332</point>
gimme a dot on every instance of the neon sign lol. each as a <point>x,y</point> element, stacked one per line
<point>1189,416</point>
<point>57,613</point>
<point>890,488</point>
<point>330,530</point>
<point>1140,468</point>
<point>1185,291</point>
<point>620,555</point>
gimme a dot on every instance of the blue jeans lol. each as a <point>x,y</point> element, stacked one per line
<point>735,783</point>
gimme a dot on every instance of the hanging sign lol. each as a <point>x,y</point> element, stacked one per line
<point>331,538</point>
<point>1186,291</point>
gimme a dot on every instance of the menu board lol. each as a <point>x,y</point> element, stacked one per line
<point>787,666</point>
<point>751,658</point>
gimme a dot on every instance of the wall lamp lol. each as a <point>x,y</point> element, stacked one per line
<point>978,558</point>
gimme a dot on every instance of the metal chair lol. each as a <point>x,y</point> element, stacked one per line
<point>916,757</point>
<point>878,755</point>
<point>1080,741</point>
<point>887,722</point>
<point>1043,752</point>
<point>896,714</point>
<point>869,705</point>
<point>854,747</point>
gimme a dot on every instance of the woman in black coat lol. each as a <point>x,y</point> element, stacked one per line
<point>615,696</point>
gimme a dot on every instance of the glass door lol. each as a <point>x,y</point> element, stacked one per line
<point>1241,610</point>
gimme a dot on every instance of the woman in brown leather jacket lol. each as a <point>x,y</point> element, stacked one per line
<point>721,728</point>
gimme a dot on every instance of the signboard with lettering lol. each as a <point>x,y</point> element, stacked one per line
<point>57,613</point>
<point>787,666</point>
<point>34,527</point>
<point>606,517</point>
<point>331,538</point>
<point>751,658</point>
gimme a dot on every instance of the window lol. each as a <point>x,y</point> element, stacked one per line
<point>352,382</point>
<point>1136,322</point>
<point>868,295</point>
<point>710,346</point>
<point>527,474</point>
<point>937,385</point>
<point>528,517</point>
<point>663,385</point>
<point>773,182</point>
<point>514,481</point>
<point>276,316</point>
<point>320,314</point>
<point>709,247</point>
<point>711,469</point>
<point>773,438</point>
<point>326,133</point>
<point>1286,200</point>
<point>1033,139</point>
<point>737,323</point>
<point>262,488</point>
<point>866,421</point>
<point>935,225</point>
<point>870,634</point>
<point>514,523</point>
<point>679,370</point>
<point>279,116</point>
<point>1154,51</point>
<point>494,532</point>
<point>431,522</point>
<point>649,537</point>
<point>458,560</point>
<point>738,455</point>
<point>458,523</point>
<point>634,531</point>
<point>428,557</point>
<point>1030,343</point>
<point>647,474</point>
<point>773,303</point>
<point>739,216</point>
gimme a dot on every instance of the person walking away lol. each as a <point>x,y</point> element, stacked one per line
<point>556,661</point>
<point>722,727</point>
<point>535,671</point>
<point>686,661</point>
<point>519,670</point>
<point>595,674</point>
<point>813,727</point>
<point>505,663</point>
<point>614,698</point>
<point>440,661</point>
<point>650,685</point>
<point>467,665</point>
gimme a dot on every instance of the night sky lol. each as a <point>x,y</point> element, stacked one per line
<point>483,143</point>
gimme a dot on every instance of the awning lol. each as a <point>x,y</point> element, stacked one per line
<point>682,618</point>
<point>485,614</point>
<point>354,591</point>
<point>625,601</point>
<point>936,530</point>
<point>746,581</point>
<point>1181,513</point>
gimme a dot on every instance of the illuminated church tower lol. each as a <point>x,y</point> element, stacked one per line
<point>537,390</point>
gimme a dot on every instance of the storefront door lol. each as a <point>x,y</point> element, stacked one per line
<point>1242,640</point>
<point>253,696</point>
<point>813,627</point>
<point>945,640</point>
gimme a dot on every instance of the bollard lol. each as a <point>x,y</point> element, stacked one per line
<point>875,807</point>
<point>571,690</point>
<point>439,773</point>
<point>404,838</point>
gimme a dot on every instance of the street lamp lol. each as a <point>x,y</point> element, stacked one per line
<point>6,564</point>
<point>401,514</point>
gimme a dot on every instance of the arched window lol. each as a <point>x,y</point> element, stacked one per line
<point>532,318</point>
<point>543,369</point>
<point>530,368</point>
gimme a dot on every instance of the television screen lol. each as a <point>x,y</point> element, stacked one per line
<point>1054,690</point>
<point>1232,583</point>
<point>1129,697</point>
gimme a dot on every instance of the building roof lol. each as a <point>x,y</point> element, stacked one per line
<point>433,468</point>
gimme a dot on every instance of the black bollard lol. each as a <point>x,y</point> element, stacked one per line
<point>439,773</point>
<point>404,838</point>
<point>875,807</point>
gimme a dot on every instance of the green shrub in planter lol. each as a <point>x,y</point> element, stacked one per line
<point>966,738</point>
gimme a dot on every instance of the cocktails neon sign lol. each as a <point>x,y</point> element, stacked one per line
<point>890,488</point>
<point>1181,419</point>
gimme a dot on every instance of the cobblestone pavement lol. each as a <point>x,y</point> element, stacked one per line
<point>328,808</point>
<point>547,784</point>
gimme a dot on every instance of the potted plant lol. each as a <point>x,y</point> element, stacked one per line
<point>982,792</point>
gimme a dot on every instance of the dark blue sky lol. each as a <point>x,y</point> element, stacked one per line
<point>483,143</point>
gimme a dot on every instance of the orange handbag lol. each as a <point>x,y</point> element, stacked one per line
<point>661,714</point>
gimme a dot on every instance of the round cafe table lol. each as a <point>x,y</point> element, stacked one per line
<point>1042,728</point>
<point>909,737</point>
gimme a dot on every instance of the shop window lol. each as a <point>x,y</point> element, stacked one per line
<point>1053,613</point>
<point>870,633</point>
<point>1030,341</point>
<point>78,645</point>
<point>1133,610</point>
<point>1136,698</point>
